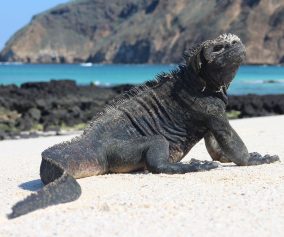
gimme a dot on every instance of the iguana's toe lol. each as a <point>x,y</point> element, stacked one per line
<point>204,165</point>
<point>271,159</point>
<point>257,159</point>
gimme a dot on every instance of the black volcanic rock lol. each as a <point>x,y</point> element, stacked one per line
<point>50,105</point>
<point>55,105</point>
<point>146,31</point>
<point>256,105</point>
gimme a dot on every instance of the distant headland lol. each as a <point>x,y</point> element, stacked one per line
<point>151,31</point>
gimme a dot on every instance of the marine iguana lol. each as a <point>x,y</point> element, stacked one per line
<point>153,127</point>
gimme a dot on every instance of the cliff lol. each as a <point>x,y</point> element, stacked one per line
<point>146,31</point>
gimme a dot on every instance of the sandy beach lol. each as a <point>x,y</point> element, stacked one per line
<point>229,201</point>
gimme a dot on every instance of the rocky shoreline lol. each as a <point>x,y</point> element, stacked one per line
<point>60,107</point>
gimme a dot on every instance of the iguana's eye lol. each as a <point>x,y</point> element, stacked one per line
<point>218,47</point>
<point>234,42</point>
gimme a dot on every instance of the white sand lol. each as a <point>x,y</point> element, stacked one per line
<point>230,201</point>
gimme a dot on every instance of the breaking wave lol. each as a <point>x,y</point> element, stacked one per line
<point>272,81</point>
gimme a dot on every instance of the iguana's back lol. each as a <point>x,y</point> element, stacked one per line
<point>150,111</point>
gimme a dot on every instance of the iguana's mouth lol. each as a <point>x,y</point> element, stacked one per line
<point>240,49</point>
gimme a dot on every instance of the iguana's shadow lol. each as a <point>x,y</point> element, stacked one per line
<point>33,185</point>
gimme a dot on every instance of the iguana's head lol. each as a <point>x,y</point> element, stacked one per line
<point>217,61</point>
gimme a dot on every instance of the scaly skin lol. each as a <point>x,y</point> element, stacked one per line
<point>154,127</point>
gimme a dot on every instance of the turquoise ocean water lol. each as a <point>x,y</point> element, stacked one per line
<point>249,79</point>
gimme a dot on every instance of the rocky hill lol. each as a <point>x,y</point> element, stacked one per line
<point>146,31</point>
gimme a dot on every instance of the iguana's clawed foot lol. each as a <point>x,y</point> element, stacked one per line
<point>258,159</point>
<point>182,168</point>
<point>200,165</point>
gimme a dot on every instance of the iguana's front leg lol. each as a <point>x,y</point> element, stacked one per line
<point>225,145</point>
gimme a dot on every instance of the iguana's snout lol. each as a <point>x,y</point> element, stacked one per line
<point>234,52</point>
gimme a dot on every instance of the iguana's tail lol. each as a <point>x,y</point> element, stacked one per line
<point>64,188</point>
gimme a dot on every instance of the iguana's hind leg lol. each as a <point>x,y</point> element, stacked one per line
<point>152,152</point>
<point>157,159</point>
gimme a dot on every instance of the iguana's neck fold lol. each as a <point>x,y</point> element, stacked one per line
<point>188,80</point>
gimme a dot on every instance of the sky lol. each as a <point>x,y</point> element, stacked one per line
<point>15,14</point>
